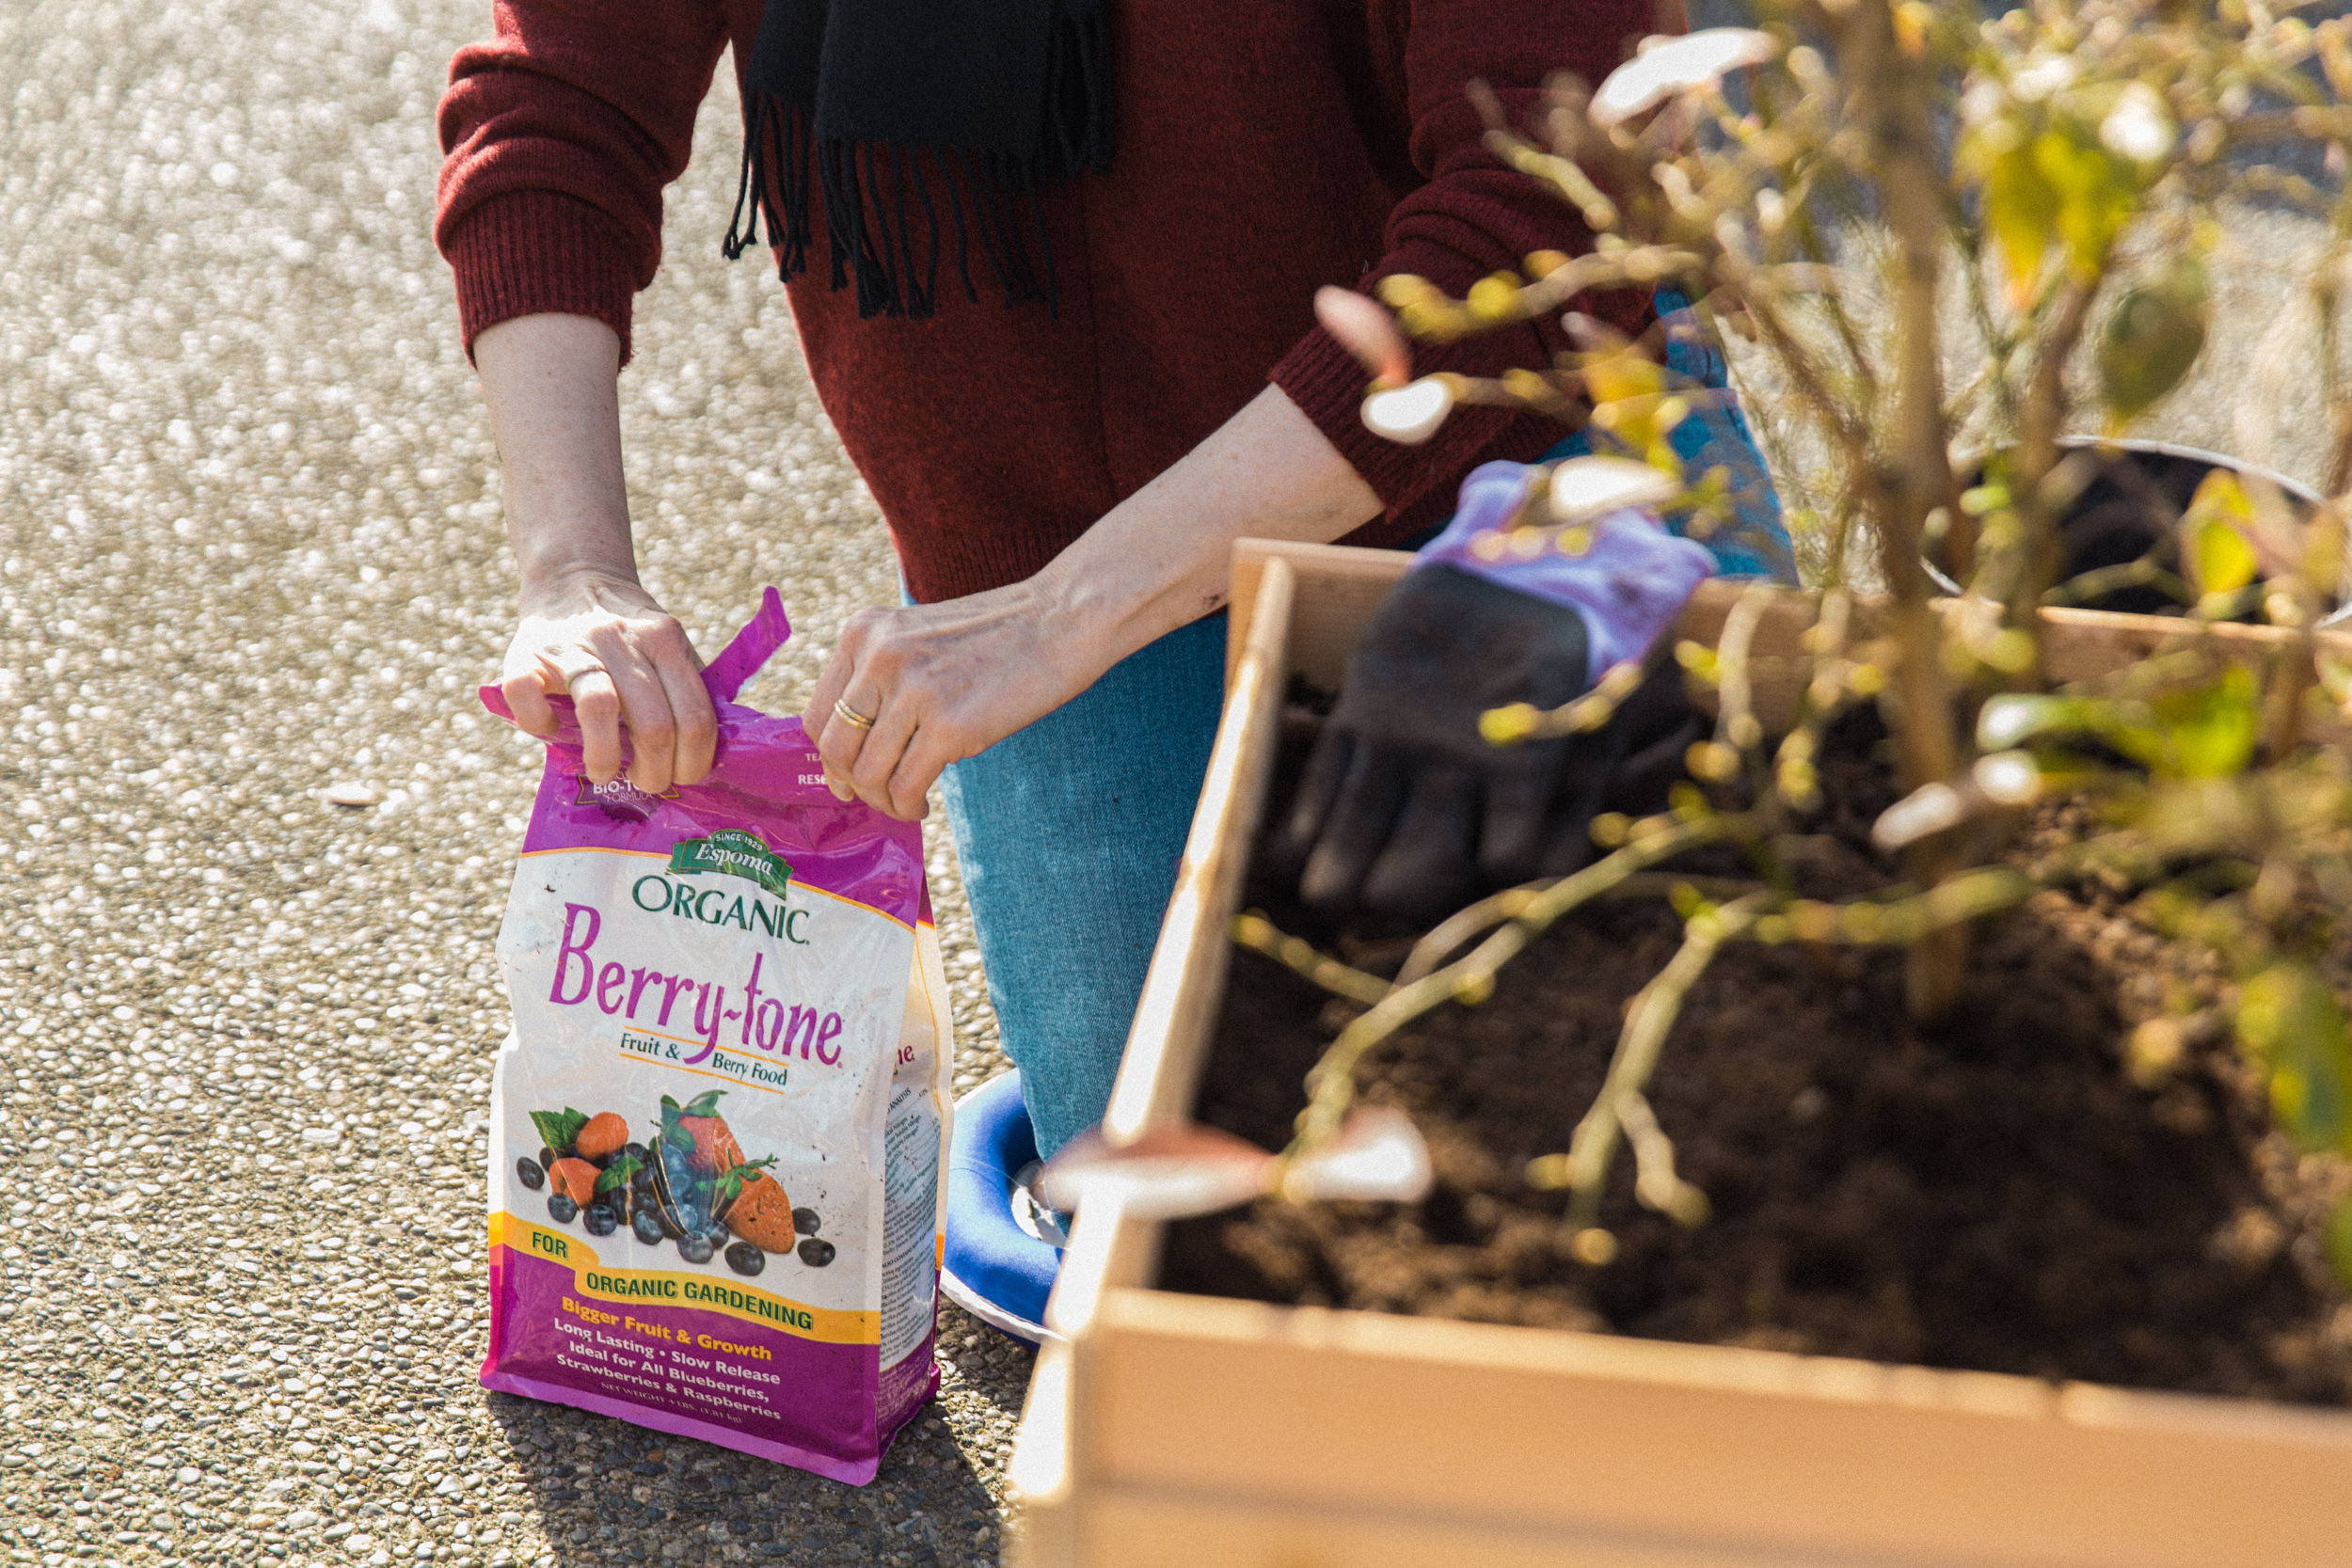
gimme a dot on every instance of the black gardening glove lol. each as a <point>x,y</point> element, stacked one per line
<point>1407,812</point>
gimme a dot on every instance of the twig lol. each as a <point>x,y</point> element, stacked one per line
<point>1796,776</point>
<point>1736,723</point>
<point>1260,935</point>
<point>1332,1083</point>
<point>1656,1182</point>
<point>1585,1169</point>
<point>1897,921</point>
<point>2038,459</point>
<point>1448,936</point>
<point>2108,579</point>
<point>1651,1014</point>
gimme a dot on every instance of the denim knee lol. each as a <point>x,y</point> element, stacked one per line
<point>1068,832</point>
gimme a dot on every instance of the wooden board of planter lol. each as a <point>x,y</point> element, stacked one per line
<point>1198,1433</point>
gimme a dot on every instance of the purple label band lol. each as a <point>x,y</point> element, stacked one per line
<point>745,1370</point>
<point>767,784</point>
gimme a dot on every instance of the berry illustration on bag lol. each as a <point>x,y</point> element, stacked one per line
<point>719,1124</point>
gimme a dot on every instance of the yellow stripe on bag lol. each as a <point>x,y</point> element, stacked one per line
<point>663,1288</point>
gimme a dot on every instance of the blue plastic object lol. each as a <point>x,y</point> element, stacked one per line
<point>995,1268</point>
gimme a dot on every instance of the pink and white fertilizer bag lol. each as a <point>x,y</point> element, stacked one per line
<point>718,1125</point>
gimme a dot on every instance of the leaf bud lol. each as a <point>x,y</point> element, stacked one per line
<point>1494,297</point>
<point>1528,386</point>
<point>1594,1248</point>
<point>1509,726</point>
<point>1401,288</point>
<point>1713,761</point>
<point>2154,1051</point>
<point>1548,1173</point>
<point>1409,413</point>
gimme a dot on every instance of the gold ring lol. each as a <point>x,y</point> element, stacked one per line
<point>850,716</point>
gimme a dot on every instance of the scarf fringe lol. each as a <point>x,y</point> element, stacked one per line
<point>872,233</point>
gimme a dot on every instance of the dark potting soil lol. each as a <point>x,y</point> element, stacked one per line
<point>1994,1192</point>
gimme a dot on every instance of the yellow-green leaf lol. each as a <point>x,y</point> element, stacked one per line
<point>2220,558</point>
<point>2340,1243</point>
<point>2151,339</point>
<point>2096,192</point>
<point>2201,732</point>
<point>2021,207</point>
<point>2293,1023</point>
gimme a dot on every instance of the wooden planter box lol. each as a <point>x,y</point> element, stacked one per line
<point>1193,1431</point>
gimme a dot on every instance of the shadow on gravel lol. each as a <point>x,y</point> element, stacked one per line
<point>610,1492</point>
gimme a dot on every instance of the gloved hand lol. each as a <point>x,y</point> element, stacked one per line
<point>1405,809</point>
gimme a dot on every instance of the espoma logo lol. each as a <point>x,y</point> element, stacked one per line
<point>728,853</point>
<point>732,852</point>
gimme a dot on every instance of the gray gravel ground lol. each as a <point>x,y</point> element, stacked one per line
<point>250,547</point>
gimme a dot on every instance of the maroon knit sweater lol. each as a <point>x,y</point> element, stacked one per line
<point>1264,147</point>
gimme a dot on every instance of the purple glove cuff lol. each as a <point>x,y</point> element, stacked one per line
<point>1623,571</point>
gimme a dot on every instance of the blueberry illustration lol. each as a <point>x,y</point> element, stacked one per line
<point>696,1248</point>
<point>600,1219</point>
<point>816,1253</point>
<point>648,1227</point>
<point>531,1173</point>
<point>745,1259</point>
<point>805,1221</point>
<point>560,1208</point>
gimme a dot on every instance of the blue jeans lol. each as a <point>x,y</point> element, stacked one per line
<point>1069,830</point>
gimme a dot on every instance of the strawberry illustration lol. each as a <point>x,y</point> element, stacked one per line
<point>574,1178</point>
<point>761,1214</point>
<point>698,1131</point>
<point>604,1136</point>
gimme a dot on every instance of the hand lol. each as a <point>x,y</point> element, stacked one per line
<point>600,638</point>
<point>943,682</point>
<point>1405,809</point>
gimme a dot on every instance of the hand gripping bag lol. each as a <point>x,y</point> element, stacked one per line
<point>719,1124</point>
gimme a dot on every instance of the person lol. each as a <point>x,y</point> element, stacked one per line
<point>1051,262</point>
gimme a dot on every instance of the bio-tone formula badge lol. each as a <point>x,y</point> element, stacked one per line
<point>718,1125</point>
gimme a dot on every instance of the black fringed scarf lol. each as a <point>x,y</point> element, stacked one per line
<point>902,104</point>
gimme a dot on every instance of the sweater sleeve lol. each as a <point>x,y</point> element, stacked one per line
<point>1472,216</point>
<point>559,134</point>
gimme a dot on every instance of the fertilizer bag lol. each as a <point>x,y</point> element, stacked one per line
<point>718,1126</point>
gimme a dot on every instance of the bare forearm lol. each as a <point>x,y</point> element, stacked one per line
<point>589,630</point>
<point>1160,558</point>
<point>550,385</point>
